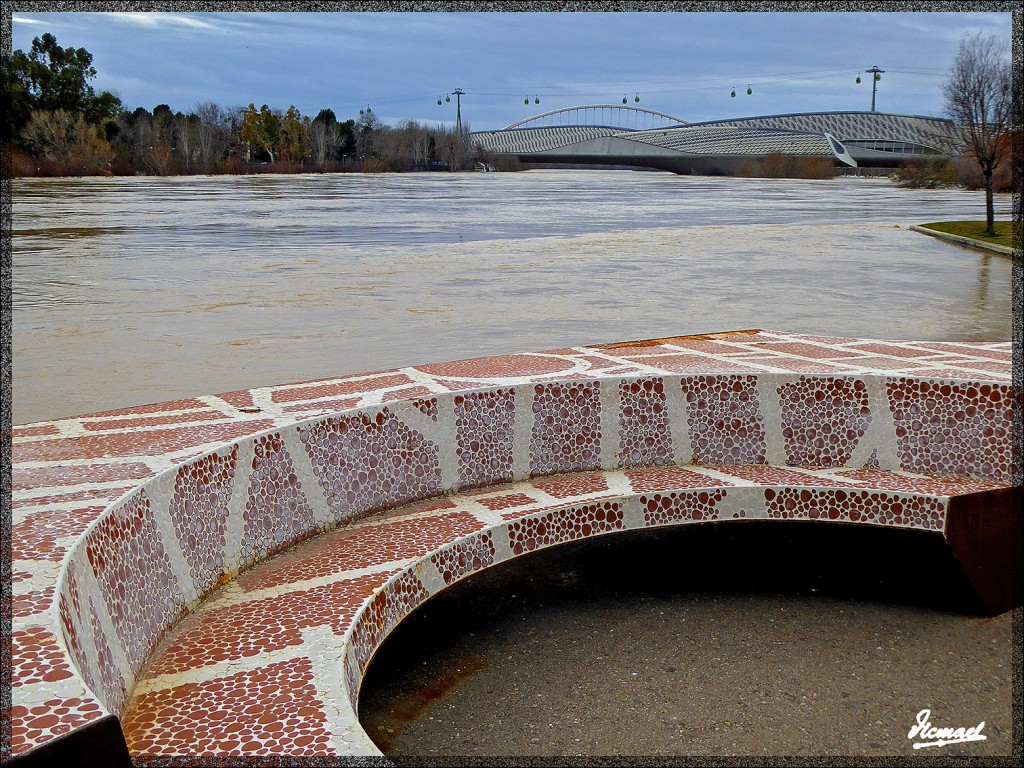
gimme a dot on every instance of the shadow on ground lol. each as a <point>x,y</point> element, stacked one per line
<point>755,638</point>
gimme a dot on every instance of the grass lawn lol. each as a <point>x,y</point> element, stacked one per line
<point>976,230</point>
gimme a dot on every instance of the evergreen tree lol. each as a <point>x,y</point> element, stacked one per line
<point>51,78</point>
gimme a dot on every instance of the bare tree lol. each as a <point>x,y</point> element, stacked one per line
<point>421,146</point>
<point>158,160</point>
<point>365,127</point>
<point>212,133</point>
<point>405,147</point>
<point>455,146</point>
<point>324,139</point>
<point>67,139</point>
<point>979,101</point>
<point>184,133</point>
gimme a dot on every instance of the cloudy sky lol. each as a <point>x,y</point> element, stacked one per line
<point>684,64</point>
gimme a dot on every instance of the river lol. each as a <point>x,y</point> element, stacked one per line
<point>129,291</point>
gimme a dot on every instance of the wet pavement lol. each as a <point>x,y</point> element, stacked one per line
<point>766,640</point>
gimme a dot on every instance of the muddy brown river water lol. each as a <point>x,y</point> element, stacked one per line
<point>140,290</point>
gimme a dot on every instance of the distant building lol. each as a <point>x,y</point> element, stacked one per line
<point>598,134</point>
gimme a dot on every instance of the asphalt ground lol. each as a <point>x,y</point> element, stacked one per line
<point>750,639</point>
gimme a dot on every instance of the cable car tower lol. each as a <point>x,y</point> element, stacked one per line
<point>459,93</point>
<point>874,82</point>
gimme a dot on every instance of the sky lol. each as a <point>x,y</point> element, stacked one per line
<point>400,64</point>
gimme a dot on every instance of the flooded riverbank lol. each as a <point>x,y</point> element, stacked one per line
<point>131,291</point>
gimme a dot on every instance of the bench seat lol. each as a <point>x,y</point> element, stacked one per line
<point>271,664</point>
<point>124,523</point>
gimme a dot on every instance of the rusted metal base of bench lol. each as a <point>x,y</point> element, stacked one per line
<point>984,531</point>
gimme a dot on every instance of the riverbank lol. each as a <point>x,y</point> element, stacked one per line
<point>973,234</point>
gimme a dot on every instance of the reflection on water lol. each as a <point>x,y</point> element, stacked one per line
<point>128,291</point>
<point>983,278</point>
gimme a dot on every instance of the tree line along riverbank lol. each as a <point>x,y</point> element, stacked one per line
<point>57,125</point>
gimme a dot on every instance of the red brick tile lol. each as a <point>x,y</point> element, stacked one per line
<point>31,726</point>
<point>270,711</point>
<point>25,478</point>
<point>112,425</point>
<point>316,390</point>
<point>498,367</point>
<point>186,404</point>
<point>36,657</point>
<point>150,443</point>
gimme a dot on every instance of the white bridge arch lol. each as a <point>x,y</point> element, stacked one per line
<point>618,116</point>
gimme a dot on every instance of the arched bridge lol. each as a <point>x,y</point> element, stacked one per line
<point>605,134</point>
<point>624,118</point>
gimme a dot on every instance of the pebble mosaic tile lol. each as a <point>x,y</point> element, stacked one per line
<point>219,571</point>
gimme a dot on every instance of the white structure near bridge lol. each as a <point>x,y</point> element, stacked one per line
<point>607,134</point>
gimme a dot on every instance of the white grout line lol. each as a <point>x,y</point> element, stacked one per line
<point>160,494</point>
<point>38,693</point>
<point>74,434</point>
<point>309,484</point>
<point>234,525</point>
<point>424,380</point>
<point>882,428</point>
<point>770,411</point>
<point>522,430</point>
<point>62,490</point>
<point>99,461</point>
<point>237,597</point>
<point>218,670</point>
<point>326,653</point>
<point>722,474</point>
<point>44,574</point>
<point>333,381</point>
<point>609,414</point>
<point>935,357</point>
<point>222,406</point>
<point>641,367</point>
<point>262,398</point>
<point>114,641</point>
<point>21,512</point>
<point>69,428</point>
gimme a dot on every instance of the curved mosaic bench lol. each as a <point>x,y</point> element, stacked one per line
<point>541,449</point>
